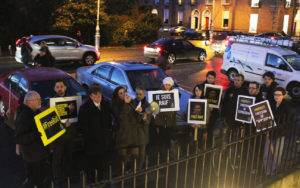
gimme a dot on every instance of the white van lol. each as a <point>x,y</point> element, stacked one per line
<point>253,60</point>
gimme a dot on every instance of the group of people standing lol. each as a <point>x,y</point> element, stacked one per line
<point>43,59</point>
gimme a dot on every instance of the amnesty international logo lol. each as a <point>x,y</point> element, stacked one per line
<point>49,125</point>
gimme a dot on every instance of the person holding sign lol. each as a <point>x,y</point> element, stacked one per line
<point>127,120</point>
<point>267,89</point>
<point>27,136</point>
<point>276,138</point>
<point>63,146</point>
<point>165,121</point>
<point>229,105</point>
<point>96,125</point>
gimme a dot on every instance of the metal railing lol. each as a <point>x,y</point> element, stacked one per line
<point>234,158</point>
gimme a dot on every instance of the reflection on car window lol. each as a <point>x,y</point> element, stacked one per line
<point>65,42</point>
<point>23,87</point>
<point>45,89</point>
<point>293,60</point>
<point>148,79</point>
<point>14,81</point>
<point>276,62</point>
<point>118,78</point>
<point>103,71</point>
<point>187,44</point>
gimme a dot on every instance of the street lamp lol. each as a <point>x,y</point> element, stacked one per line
<point>97,35</point>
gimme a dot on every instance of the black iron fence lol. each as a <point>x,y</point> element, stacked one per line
<point>234,158</point>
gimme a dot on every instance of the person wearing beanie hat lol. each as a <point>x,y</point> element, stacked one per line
<point>44,59</point>
<point>168,80</point>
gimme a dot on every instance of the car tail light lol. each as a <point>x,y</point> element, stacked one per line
<point>273,38</point>
<point>144,47</point>
<point>211,40</point>
<point>158,49</point>
<point>18,41</point>
<point>227,42</point>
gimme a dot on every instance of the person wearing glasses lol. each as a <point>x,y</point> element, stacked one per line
<point>277,136</point>
<point>127,124</point>
<point>34,153</point>
<point>254,91</point>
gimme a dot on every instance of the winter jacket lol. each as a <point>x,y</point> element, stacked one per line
<point>96,126</point>
<point>26,50</point>
<point>267,93</point>
<point>28,137</point>
<point>45,61</point>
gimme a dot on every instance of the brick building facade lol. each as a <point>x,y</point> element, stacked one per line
<point>248,16</point>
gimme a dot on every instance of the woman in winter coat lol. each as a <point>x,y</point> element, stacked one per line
<point>126,121</point>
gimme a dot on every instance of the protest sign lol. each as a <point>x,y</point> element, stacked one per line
<point>49,125</point>
<point>197,111</point>
<point>213,94</point>
<point>67,107</point>
<point>167,100</point>
<point>262,115</point>
<point>242,112</point>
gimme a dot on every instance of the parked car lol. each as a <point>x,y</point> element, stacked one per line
<point>17,83</point>
<point>253,60</point>
<point>62,48</point>
<point>126,73</point>
<point>191,34</point>
<point>220,40</point>
<point>177,30</point>
<point>173,50</point>
<point>274,36</point>
<point>164,28</point>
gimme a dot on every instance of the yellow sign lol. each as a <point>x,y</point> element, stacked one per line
<point>49,125</point>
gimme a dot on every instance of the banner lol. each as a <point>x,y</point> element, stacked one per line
<point>242,112</point>
<point>49,125</point>
<point>262,115</point>
<point>167,100</point>
<point>213,94</point>
<point>197,111</point>
<point>67,107</point>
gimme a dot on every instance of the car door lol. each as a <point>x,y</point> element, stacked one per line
<point>177,48</point>
<point>101,75</point>
<point>117,79</point>
<point>54,48</point>
<point>279,67</point>
<point>190,51</point>
<point>254,63</point>
<point>72,51</point>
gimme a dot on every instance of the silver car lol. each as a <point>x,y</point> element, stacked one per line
<point>62,48</point>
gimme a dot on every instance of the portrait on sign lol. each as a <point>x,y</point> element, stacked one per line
<point>49,125</point>
<point>242,112</point>
<point>67,107</point>
<point>167,100</point>
<point>197,111</point>
<point>213,94</point>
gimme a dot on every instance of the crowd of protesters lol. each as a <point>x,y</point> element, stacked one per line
<point>124,126</point>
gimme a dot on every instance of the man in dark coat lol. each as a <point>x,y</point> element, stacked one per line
<point>96,125</point>
<point>63,146</point>
<point>141,105</point>
<point>26,50</point>
<point>44,59</point>
<point>34,153</point>
<point>229,104</point>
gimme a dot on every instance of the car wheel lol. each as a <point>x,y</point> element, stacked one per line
<point>294,90</point>
<point>231,74</point>
<point>89,59</point>
<point>202,56</point>
<point>2,108</point>
<point>171,58</point>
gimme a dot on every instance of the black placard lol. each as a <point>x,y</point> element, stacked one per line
<point>243,113</point>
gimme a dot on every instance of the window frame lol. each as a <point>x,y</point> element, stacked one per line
<point>94,72</point>
<point>282,59</point>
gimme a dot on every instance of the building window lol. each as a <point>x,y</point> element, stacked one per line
<point>180,18</point>
<point>226,19</point>
<point>254,3</point>
<point>288,3</point>
<point>167,2</point>
<point>208,2</point>
<point>253,23</point>
<point>285,24</point>
<point>180,2</point>
<point>166,16</point>
<point>156,2</point>
<point>225,2</point>
<point>193,2</point>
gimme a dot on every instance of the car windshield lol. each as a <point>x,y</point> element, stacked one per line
<point>45,89</point>
<point>293,60</point>
<point>150,79</point>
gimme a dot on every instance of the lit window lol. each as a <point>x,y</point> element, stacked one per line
<point>254,3</point>
<point>288,3</point>
<point>208,1</point>
<point>156,2</point>
<point>285,24</point>
<point>167,2</point>
<point>180,2</point>
<point>253,23</point>
<point>166,16</point>
<point>180,17</point>
<point>225,2</point>
<point>225,19</point>
<point>193,2</point>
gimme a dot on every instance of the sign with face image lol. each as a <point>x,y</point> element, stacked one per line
<point>167,100</point>
<point>213,94</point>
<point>197,111</point>
<point>67,107</point>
